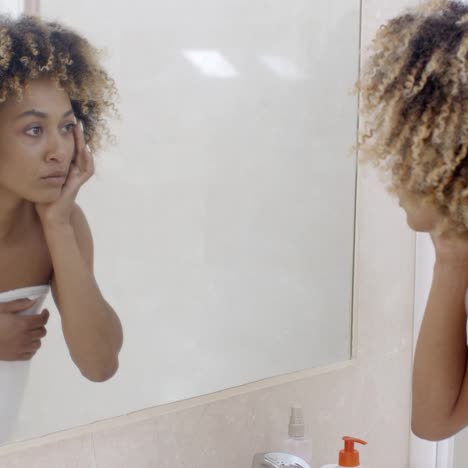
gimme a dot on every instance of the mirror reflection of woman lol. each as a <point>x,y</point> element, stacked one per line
<point>414,95</point>
<point>54,95</point>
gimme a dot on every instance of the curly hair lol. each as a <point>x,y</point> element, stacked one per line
<point>413,94</point>
<point>31,47</point>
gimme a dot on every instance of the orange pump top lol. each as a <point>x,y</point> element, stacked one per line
<point>349,456</point>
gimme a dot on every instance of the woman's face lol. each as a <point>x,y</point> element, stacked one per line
<point>36,138</point>
<point>421,215</point>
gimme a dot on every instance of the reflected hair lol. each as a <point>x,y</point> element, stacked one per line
<point>413,93</point>
<point>31,47</point>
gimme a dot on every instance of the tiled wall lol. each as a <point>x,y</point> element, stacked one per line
<point>368,397</point>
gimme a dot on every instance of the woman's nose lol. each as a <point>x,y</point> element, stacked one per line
<point>58,150</point>
<point>56,155</point>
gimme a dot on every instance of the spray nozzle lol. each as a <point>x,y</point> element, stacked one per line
<point>349,456</point>
<point>296,423</point>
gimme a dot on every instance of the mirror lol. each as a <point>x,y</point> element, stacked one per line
<point>223,217</point>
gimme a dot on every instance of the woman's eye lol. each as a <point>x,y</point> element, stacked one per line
<point>32,128</point>
<point>69,127</point>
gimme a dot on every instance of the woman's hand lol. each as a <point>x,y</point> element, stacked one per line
<point>452,254</point>
<point>81,169</point>
<point>451,248</point>
<point>20,335</point>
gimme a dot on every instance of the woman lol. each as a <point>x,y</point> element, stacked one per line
<point>53,95</point>
<point>414,92</point>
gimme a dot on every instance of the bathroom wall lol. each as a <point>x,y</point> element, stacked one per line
<point>367,397</point>
<point>460,455</point>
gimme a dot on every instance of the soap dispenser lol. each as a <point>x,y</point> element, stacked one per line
<point>348,456</point>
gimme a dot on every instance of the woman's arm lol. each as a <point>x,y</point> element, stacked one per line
<point>91,328</point>
<point>439,385</point>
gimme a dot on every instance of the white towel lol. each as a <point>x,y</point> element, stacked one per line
<point>14,374</point>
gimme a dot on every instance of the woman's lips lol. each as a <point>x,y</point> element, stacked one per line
<point>57,180</point>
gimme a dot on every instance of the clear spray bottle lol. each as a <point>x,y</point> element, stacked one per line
<point>297,443</point>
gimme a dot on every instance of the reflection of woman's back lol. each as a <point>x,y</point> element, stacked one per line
<point>14,374</point>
